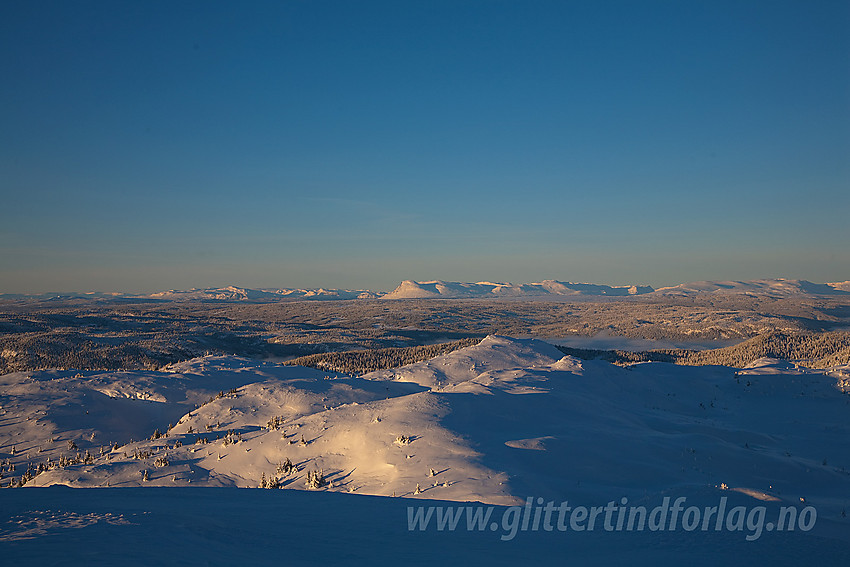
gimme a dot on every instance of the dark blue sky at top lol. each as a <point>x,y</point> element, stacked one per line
<point>155,145</point>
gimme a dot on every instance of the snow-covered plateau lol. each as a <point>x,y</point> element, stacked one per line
<point>493,424</point>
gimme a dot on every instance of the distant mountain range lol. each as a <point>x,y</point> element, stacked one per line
<point>224,294</point>
<point>410,289</point>
<point>233,293</point>
<point>772,287</point>
<point>551,290</point>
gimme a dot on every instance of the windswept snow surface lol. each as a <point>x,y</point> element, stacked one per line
<point>226,526</point>
<point>495,423</point>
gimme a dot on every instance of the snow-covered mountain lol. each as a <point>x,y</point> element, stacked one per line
<point>225,294</point>
<point>437,289</point>
<point>841,286</point>
<point>233,293</point>
<point>768,287</point>
<point>551,290</point>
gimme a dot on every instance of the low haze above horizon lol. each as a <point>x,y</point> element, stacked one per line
<point>158,145</point>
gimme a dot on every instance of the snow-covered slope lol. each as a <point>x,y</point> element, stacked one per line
<point>496,423</point>
<point>493,423</point>
<point>54,413</point>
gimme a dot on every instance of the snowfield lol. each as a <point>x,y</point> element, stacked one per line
<point>495,423</point>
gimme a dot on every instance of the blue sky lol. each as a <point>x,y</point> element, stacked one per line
<point>156,145</point>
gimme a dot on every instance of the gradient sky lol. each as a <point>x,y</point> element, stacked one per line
<point>157,145</point>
